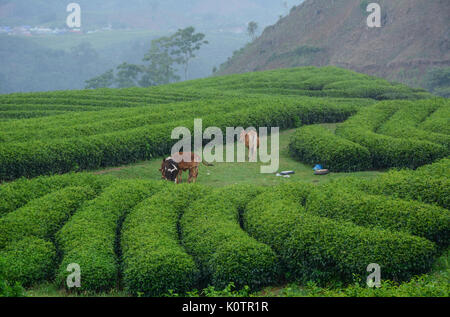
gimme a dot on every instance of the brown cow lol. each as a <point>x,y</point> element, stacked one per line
<point>251,140</point>
<point>188,161</point>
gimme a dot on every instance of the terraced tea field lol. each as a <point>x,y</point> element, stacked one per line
<point>105,208</point>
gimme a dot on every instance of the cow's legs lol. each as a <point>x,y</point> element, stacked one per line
<point>194,174</point>
<point>190,176</point>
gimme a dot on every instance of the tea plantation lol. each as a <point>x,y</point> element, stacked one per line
<point>154,238</point>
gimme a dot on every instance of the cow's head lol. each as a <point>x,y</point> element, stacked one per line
<point>169,169</point>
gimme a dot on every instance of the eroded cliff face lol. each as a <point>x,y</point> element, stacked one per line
<point>414,37</point>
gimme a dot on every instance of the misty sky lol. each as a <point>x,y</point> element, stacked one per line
<point>159,15</point>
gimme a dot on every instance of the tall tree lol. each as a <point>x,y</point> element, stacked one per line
<point>183,45</point>
<point>161,69</point>
<point>164,54</point>
<point>105,80</point>
<point>251,29</point>
<point>128,75</point>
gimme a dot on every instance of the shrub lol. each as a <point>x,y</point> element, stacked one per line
<point>89,238</point>
<point>404,122</point>
<point>439,121</point>
<point>43,217</point>
<point>320,249</point>
<point>18,193</point>
<point>315,144</point>
<point>429,184</point>
<point>437,169</point>
<point>340,203</point>
<point>387,151</point>
<point>28,261</point>
<point>154,262</point>
<point>124,146</point>
<point>224,252</point>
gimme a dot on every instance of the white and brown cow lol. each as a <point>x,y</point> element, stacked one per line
<point>169,170</point>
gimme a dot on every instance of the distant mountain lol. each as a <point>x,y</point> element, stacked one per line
<point>414,38</point>
<point>37,63</point>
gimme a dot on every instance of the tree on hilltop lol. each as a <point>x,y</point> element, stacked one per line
<point>252,27</point>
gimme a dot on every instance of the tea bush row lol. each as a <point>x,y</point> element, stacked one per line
<point>18,193</point>
<point>428,184</point>
<point>154,262</point>
<point>43,217</point>
<point>387,151</point>
<point>89,237</point>
<point>343,204</point>
<point>28,261</point>
<point>320,249</point>
<point>126,120</point>
<point>404,123</point>
<point>439,121</point>
<point>63,155</point>
<point>223,251</point>
<point>316,144</point>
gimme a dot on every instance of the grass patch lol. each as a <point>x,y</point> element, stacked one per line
<point>224,174</point>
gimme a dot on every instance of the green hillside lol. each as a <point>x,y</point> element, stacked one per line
<point>80,184</point>
<point>78,130</point>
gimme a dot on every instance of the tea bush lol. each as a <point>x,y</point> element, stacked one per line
<point>121,147</point>
<point>429,184</point>
<point>403,124</point>
<point>387,151</point>
<point>372,211</point>
<point>126,125</point>
<point>439,121</point>
<point>317,248</point>
<point>316,144</point>
<point>89,238</point>
<point>16,194</point>
<point>43,217</point>
<point>28,261</point>
<point>153,260</point>
<point>223,251</point>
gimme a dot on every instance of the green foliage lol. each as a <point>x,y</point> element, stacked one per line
<point>28,261</point>
<point>420,286</point>
<point>104,80</point>
<point>438,81</point>
<point>43,217</point>
<point>345,204</point>
<point>439,121</point>
<point>153,260</point>
<point>404,123</point>
<point>17,194</point>
<point>429,184</point>
<point>363,5</point>
<point>7,289</point>
<point>229,291</point>
<point>388,151</point>
<point>315,144</point>
<point>106,137</point>
<point>131,144</point>
<point>321,249</point>
<point>89,238</point>
<point>164,53</point>
<point>223,251</point>
<point>161,69</point>
<point>183,45</point>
